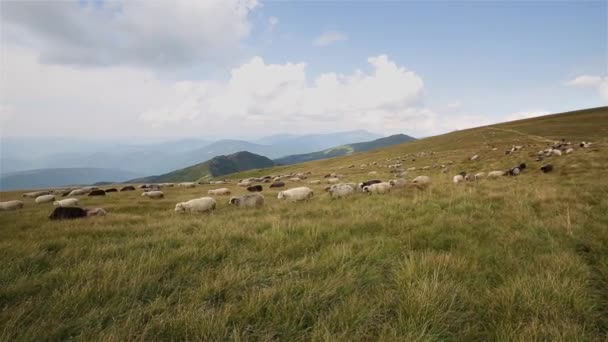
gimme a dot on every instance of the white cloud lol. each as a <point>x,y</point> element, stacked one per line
<point>600,84</point>
<point>149,33</point>
<point>454,106</point>
<point>329,37</point>
<point>272,22</point>
<point>526,115</point>
<point>280,97</point>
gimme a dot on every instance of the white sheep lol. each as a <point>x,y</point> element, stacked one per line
<point>480,175</point>
<point>378,188</point>
<point>45,199</point>
<point>474,158</point>
<point>11,205</point>
<point>68,202</point>
<point>78,192</point>
<point>372,173</point>
<point>333,180</point>
<point>295,194</point>
<point>570,150</point>
<point>199,205</point>
<point>35,194</point>
<point>341,190</point>
<point>219,192</point>
<point>496,174</point>
<point>421,182</point>
<point>556,152</point>
<point>153,194</point>
<point>244,184</point>
<point>252,200</point>
<point>187,184</point>
<point>398,183</point>
<point>316,181</point>
<point>458,179</point>
<point>96,212</point>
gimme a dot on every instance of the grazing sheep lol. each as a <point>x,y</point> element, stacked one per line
<point>341,190</point>
<point>546,168</point>
<point>66,213</point>
<point>11,205</point>
<point>96,212</point>
<point>45,199</point>
<point>35,194</point>
<point>474,158</point>
<point>372,173</point>
<point>421,182</point>
<point>333,180</point>
<point>277,185</point>
<point>295,194</point>
<point>199,205</point>
<point>219,192</point>
<point>413,168</point>
<point>368,183</point>
<point>255,188</point>
<point>480,175</point>
<point>153,194</point>
<point>585,144</point>
<point>570,150</point>
<point>97,193</point>
<point>556,152</point>
<point>378,188</point>
<point>314,182</point>
<point>295,179</point>
<point>111,190</point>
<point>251,200</point>
<point>127,188</point>
<point>398,183</point>
<point>68,202</point>
<point>244,184</point>
<point>458,179</point>
<point>496,174</point>
<point>79,192</point>
<point>187,184</point>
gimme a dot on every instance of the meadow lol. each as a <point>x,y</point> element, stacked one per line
<point>516,258</point>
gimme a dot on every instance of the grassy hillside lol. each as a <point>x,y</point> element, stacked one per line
<point>345,149</point>
<point>217,166</point>
<point>516,258</point>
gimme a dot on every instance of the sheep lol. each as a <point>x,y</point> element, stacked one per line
<point>187,184</point>
<point>153,194</point>
<point>11,205</point>
<point>219,192</point>
<point>585,144</point>
<point>421,182</point>
<point>198,205</point>
<point>496,174</point>
<point>127,188</point>
<point>35,194</point>
<point>474,158</point>
<point>556,152</point>
<point>479,176</point>
<point>96,212</point>
<point>251,200</point>
<point>570,150</point>
<point>78,192</point>
<point>333,180</point>
<point>314,182</point>
<point>372,173</point>
<point>378,188</point>
<point>97,193</point>
<point>546,168</point>
<point>398,183</point>
<point>458,179</point>
<point>68,202</point>
<point>255,188</point>
<point>295,194</point>
<point>341,190</point>
<point>413,168</point>
<point>295,179</point>
<point>111,190</point>
<point>369,182</point>
<point>277,185</point>
<point>45,199</point>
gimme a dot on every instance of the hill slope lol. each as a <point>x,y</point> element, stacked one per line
<point>345,149</point>
<point>44,178</point>
<point>214,167</point>
<point>510,259</point>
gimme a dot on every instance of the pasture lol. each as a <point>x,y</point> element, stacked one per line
<point>516,258</point>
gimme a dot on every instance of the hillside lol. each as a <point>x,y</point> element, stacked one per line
<point>215,167</point>
<point>45,178</point>
<point>345,149</point>
<point>509,259</point>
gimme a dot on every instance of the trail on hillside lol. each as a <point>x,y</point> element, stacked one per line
<point>531,136</point>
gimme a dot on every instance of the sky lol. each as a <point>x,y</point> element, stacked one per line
<point>247,68</point>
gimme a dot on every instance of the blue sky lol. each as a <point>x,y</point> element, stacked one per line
<point>251,68</point>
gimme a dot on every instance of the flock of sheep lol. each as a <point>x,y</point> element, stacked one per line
<point>69,208</point>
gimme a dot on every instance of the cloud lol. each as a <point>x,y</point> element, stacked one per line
<point>283,97</point>
<point>600,84</point>
<point>525,115</point>
<point>272,22</point>
<point>455,106</point>
<point>142,33</point>
<point>329,37</point>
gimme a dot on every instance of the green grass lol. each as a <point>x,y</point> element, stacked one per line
<point>521,258</point>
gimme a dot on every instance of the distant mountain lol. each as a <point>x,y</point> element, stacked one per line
<point>345,149</point>
<point>45,178</point>
<point>217,166</point>
<point>294,144</point>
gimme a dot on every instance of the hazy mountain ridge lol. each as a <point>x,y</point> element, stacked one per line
<point>45,178</point>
